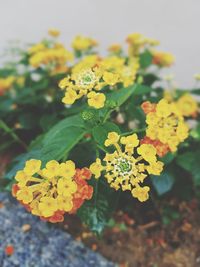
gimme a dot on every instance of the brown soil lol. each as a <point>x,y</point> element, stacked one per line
<point>152,244</point>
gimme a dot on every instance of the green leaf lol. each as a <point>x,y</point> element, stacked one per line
<point>195,91</point>
<point>55,144</point>
<point>195,133</point>
<point>95,216</point>
<point>150,78</point>
<point>168,158</point>
<point>189,161</point>
<point>142,89</point>
<point>100,132</point>
<point>145,59</point>
<point>163,183</point>
<point>59,144</point>
<point>121,95</point>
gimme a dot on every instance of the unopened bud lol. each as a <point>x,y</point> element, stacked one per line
<point>87,115</point>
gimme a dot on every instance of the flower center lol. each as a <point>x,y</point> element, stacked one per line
<point>87,78</point>
<point>123,166</point>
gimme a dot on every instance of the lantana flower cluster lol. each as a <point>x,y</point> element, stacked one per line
<point>52,191</point>
<point>6,84</point>
<point>52,55</point>
<point>166,127</point>
<point>93,74</point>
<point>186,103</point>
<point>129,165</point>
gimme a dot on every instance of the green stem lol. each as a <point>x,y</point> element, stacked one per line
<point>134,131</point>
<point>9,131</point>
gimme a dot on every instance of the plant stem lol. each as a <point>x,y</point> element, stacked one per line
<point>8,130</point>
<point>134,131</point>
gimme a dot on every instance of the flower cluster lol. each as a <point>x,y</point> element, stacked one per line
<point>55,56</point>
<point>92,74</point>
<point>161,149</point>
<point>187,105</point>
<point>6,83</point>
<point>165,124</point>
<point>51,191</point>
<point>162,59</point>
<point>53,32</point>
<point>129,164</point>
<point>83,44</point>
<point>137,41</point>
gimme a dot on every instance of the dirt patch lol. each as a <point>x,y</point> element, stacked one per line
<point>132,243</point>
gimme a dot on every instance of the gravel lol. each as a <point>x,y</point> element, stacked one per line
<point>41,245</point>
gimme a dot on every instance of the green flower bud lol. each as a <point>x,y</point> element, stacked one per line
<point>88,115</point>
<point>111,104</point>
<point>140,80</point>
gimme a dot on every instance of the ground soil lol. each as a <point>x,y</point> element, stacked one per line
<point>149,242</point>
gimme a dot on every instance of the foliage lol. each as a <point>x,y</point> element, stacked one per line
<point>58,105</point>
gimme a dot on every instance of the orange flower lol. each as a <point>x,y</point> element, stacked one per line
<point>148,107</point>
<point>57,217</point>
<point>15,188</point>
<point>84,191</point>
<point>161,149</point>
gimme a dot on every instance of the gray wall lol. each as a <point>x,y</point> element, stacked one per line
<point>174,22</point>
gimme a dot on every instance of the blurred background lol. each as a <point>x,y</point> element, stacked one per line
<point>174,23</point>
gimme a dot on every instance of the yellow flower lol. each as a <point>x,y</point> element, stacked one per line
<point>47,206</point>
<point>6,83</point>
<point>96,100</point>
<point>81,43</point>
<point>70,97</point>
<point>155,168</point>
<point>112,139</point>
<point>115,48</point>
<point>64,203</point>
<point>67,169</point>
<point>53,32</point>
<point>127,168</point>
<point>54,56</point>
<point>141,193</point>
<point>32,166</point>
<point>128,72</point>
<point>148,152</point>
<point>66,187</point>
<point>88,62</point>
<point>111,78</point>
<point>163,108</point>
<point>22,178</point>
<point>53,190</point>
<point>96,168</point>
<point>64,83</point>
<point>163,59</point>
<point>197,76</point>
<point>187,105</point>
<point>51,169</point>
<point>36,48</point>
<point>25,195</point>
<point>166,124</point>
<point>130,141</point>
